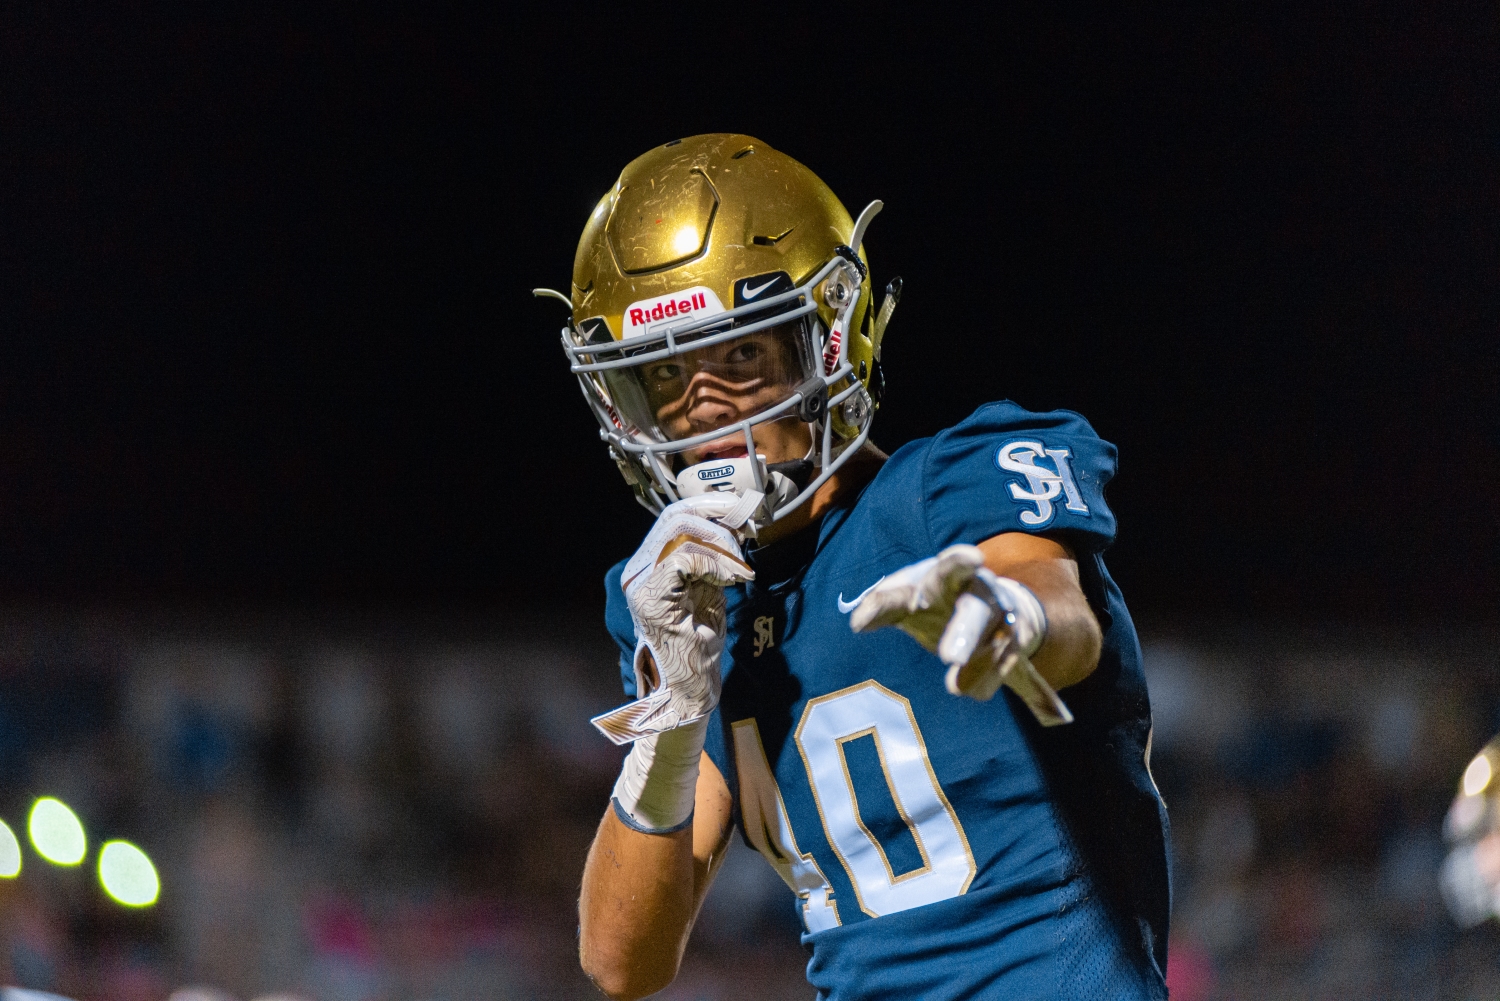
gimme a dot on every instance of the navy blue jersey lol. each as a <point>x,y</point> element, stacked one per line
<point>941,847</point>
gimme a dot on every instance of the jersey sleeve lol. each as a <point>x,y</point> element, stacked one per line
<point>1005,469</point>
<point>620,625</point>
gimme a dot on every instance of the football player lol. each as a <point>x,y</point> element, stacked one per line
<point>962,804</point>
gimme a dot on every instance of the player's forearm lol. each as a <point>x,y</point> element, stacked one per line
<point>641,892</point>
<point>636,907</point>
<point>1048,568</point>
<point>1071,650</point>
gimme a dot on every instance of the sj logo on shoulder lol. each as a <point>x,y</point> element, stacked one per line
<point>1048,475</point>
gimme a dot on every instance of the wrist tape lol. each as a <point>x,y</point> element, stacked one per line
<point>659,780</point>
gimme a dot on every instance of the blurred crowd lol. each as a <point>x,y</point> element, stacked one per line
<point>1307,776</point>
<point>337,813</point>
<point>357,811</point>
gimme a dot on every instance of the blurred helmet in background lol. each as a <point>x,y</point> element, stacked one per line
<point>1471,872</point>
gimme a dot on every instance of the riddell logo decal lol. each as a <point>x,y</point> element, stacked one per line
<point>689,304</point>
<point>717,473</point>
<point>678,307</point>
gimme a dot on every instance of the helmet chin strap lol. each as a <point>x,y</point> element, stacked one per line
<point>799,471</point>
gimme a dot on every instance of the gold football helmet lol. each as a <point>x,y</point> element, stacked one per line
<point>701,243</point>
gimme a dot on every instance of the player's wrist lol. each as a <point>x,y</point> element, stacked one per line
<point>658,781</point>
<point>1023,612</point>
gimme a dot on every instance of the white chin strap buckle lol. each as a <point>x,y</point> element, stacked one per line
<point>737,477</point>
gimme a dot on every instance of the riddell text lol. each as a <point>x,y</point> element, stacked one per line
<point>663,310</point>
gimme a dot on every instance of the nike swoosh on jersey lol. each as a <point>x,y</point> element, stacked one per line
<point>848,606</point>
<point>746,292</point>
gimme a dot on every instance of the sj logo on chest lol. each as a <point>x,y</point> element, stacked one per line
<point>1047,473</point>
<point>765,633</point>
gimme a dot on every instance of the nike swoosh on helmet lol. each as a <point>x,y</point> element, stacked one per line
<point>747,292</point>
<point>848,606</point>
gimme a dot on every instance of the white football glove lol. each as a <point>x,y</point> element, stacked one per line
<point>983,626</point>
<point>674,585</point>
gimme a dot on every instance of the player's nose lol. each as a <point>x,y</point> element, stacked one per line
<point>709,407</point>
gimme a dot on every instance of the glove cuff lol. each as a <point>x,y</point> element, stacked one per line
<point>1023,610</point>
<point>659,780</point>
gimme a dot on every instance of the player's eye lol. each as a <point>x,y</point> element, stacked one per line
<point>663,373</point>
<point>743,353</point>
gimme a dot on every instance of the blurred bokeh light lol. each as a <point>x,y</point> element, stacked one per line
<point>1477,776</point>
<point>56,833</point>
<point>10,852</point>
<point>127,875</point>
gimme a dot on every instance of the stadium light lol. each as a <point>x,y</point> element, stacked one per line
<point>10,852</point>
<point>56,832</point>
<point>127,875</point>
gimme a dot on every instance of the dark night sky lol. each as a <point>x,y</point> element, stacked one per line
<point>268,335</point>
